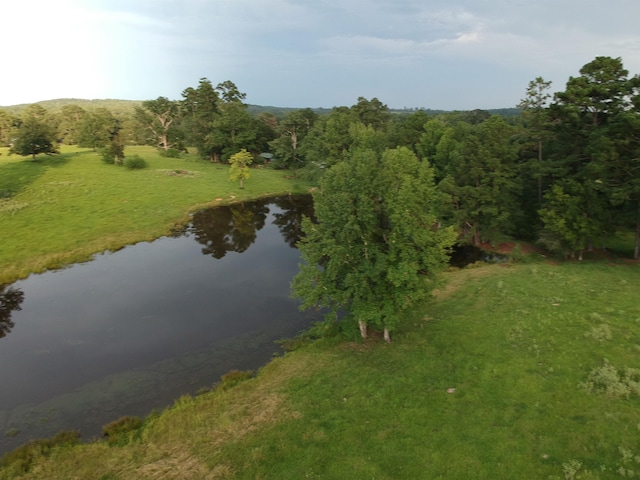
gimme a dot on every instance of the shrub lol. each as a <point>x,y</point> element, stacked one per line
<point>518,256</point>
<point>122,431</point>
<point>234,377</point>
<point>21,459</point>
<point>170,153</point>
<point>613,382</point>
<point>106,156</point>
<point>135,162</point>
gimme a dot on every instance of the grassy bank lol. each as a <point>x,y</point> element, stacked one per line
<point>64,208</point>
<point>513,371</point>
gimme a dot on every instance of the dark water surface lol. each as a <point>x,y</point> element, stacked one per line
<point>133,330</point>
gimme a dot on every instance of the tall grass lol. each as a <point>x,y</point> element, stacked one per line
<point>503,375</point>
<point>61,209</point>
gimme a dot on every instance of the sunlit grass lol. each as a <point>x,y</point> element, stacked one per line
<point>488,381</point>
<point>63,208</point>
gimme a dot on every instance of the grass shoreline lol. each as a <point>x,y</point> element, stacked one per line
<point>67,208</point>
<point>502,376</point>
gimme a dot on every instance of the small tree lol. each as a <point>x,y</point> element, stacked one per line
<point>34,137</point>
<point>240,166</point>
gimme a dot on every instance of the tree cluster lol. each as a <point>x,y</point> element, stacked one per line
<point>394,186</point>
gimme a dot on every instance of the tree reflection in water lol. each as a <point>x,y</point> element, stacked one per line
<point>234,228</point>
<point>228,228</point>
<point>294,208</point>
<point>10,300</point>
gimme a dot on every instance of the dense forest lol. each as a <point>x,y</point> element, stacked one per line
<point>561,169</point>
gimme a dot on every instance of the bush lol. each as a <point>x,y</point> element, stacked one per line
<point>170,153</point>
<point>135,162</point>
<point>106,156</point>
<point>21,459</point>
<point>234,377</point>
<point>122,431</point>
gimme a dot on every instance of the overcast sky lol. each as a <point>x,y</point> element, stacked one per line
<point>459,54</point>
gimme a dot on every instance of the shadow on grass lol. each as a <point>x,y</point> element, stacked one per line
<point>16,176</point>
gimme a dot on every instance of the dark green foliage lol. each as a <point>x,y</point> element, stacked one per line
<point>480,180</point>
<point>160,119</point>
<point>200,108</point>
<point>34,136</point>
<point>22,458</point>
<point>122,431</point>
<point>170,153</point>
<point>106,156</point>
<point>292,130</point>
<point>6,128</point>
<point>135,162</point>
<point>97,128</point>
<point>376,249</point>
<point>595,146</point>
<point>233,378</point>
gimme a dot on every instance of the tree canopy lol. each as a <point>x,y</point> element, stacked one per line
<point>376,247</point>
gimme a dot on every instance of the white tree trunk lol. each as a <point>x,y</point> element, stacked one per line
<point>363,328</point>
<point>387,336</point>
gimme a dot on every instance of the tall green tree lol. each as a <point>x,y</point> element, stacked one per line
<point>70,119</point>
<point>481,183</point>
<point>534,111</point>
<point>234,128</point>
<point>373,113</point>
<point>570,220</point>
<point>6,128</point>
<point>160,117</point>
<point>375,250</point>
<point>34,135</point>
<point>292,130</point>
<point>590,143</point>
<point>201,108</point>
<point>96,129</point>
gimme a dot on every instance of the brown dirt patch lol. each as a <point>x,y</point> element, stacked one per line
<point>457,278</point>
<point>507,247</point>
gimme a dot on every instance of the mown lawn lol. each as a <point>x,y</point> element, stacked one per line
<point>64,208</point>
<point>503,375</point>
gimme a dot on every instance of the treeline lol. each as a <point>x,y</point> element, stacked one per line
<point>564,172</point>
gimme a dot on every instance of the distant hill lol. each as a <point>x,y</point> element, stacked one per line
<point>115,106</point>
<point>124,107</point>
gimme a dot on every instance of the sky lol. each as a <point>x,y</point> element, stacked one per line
<point>438,54</point>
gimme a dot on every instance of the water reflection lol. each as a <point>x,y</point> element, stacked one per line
<point>10,299</point>
<point>233,228</point>
<point>289,221</point>
<point>229,228</point>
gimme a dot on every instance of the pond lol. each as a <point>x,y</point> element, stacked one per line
<point>133,330</point>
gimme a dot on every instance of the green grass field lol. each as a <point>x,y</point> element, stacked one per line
<point>64,208</point>
<point>502,376</point>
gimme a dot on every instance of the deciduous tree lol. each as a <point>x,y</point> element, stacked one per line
<point>158,117</point>
<point>376,248</point>
<point>201,107</point>
<point>34,135</point>
<point>239,169</point>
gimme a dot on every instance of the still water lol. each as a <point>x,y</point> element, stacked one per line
<point>133,330</point>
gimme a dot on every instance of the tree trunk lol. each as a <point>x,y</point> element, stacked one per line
<point>539,172</point>
<point>363,328</point>
<point>387,336</point>
<point>636,250</point>
<point>477,239</point>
